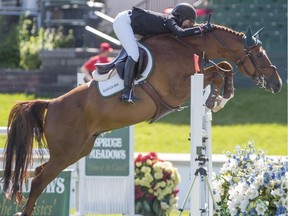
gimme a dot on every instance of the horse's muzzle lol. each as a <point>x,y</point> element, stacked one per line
<point>274,85</point>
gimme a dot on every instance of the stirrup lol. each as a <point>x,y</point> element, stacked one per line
<point>130,99</point>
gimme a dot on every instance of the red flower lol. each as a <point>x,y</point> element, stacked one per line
<point>138,193</point>
<point>166,175</point>
<point>175,192</point>
<point>150,197</point>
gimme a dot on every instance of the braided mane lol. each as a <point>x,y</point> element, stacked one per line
<point>223,28</point>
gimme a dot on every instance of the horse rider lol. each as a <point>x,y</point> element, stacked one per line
<point>142,22</point>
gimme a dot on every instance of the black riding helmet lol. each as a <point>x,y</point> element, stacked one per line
<point>184,11</point>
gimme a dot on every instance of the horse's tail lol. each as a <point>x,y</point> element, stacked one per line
<point>26,122</point>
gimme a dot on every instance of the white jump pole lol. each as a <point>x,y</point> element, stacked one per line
<point>196,121</point>
<point>200,120</point>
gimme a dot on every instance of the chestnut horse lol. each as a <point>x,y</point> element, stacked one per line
<point>68,125</point>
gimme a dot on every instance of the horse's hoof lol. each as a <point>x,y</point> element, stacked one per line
<point>210,102</point>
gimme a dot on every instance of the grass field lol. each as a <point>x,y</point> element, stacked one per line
<point>252,115</point>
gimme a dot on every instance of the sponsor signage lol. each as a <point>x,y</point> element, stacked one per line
<point>54,200</point>
<point>110,154</point>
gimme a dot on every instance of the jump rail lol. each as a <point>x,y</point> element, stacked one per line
<point>3,130</point>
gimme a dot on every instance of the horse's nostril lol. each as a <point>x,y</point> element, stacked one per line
<point>278,87</point>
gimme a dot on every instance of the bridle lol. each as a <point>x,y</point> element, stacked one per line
<point>260,80</point>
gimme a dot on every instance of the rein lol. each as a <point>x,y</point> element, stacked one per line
<point>249,54</point>
<point>196,50</point>
<point>236,59</point>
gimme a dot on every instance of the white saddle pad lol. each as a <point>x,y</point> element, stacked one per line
<point>110,83</point>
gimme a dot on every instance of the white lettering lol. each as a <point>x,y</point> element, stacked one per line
<point>108,154</point>
<point>108,142</point>
<point>56,186</point>
<point>60,186</point>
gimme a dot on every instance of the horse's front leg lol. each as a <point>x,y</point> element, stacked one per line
<point>217,80</point>
<point>228,89</point>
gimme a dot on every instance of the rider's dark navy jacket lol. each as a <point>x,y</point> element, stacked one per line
<point>145,22</point>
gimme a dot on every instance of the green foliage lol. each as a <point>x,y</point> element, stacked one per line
<point>21,44</point>
<point>9,46</point>
<point>32,42</point>
<point>62,41</point>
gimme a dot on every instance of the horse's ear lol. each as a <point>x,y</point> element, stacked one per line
<point>258,33</point>
<point>248,39</point>
<point>249,33</point>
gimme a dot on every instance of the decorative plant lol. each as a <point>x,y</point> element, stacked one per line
<point>252,184</point>
<point>32,42</point>
<point>155,185</point>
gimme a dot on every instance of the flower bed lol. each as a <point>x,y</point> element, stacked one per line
<point>155,185</point>
<point>252,184</point>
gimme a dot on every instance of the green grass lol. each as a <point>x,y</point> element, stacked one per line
<point>174,138</point>
<point>252,115</point>
<point>6,103</point>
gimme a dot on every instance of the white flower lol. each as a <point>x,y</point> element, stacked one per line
<point>232,208</point>
<point>228,178</point>
<point>259,164</point>
<point>243,205</point>
<point>261,208</point>
<point>164,205</point>
<point>252,192</point>
<point>217,197</point>
<point>276,192</point>
<point>158,175</point>
<point>248,182</point>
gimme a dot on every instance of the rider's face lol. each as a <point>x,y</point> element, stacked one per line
<point>187,23</point>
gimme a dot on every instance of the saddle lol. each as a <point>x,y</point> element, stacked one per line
<point>119,64</point>
<point>108,84</point>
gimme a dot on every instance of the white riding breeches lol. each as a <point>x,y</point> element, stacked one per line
<point>123,30</point>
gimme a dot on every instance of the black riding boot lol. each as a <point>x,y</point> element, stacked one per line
<point>127,95</point>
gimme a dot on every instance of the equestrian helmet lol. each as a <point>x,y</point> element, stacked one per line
<point>184,11</point>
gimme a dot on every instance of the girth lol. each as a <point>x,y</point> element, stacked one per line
<point>162,108</point>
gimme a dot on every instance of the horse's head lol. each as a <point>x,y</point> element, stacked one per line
<point>257,65</point>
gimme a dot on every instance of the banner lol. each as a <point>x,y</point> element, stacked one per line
<point>110,154</point>
<point>54,200</point>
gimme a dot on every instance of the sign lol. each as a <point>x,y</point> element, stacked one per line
<point>54,200</point>
<point>110,154</point>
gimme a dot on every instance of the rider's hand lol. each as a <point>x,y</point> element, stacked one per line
<point>207,27</point>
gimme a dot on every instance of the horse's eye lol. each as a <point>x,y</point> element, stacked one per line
<point>259,55</point>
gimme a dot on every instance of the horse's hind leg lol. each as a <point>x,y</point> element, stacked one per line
<point>51,169</point>
<point>48,171</point>
<point>39,169</point>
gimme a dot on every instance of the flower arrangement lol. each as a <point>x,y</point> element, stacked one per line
<point>250,183</point>
<point>155,185</point>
